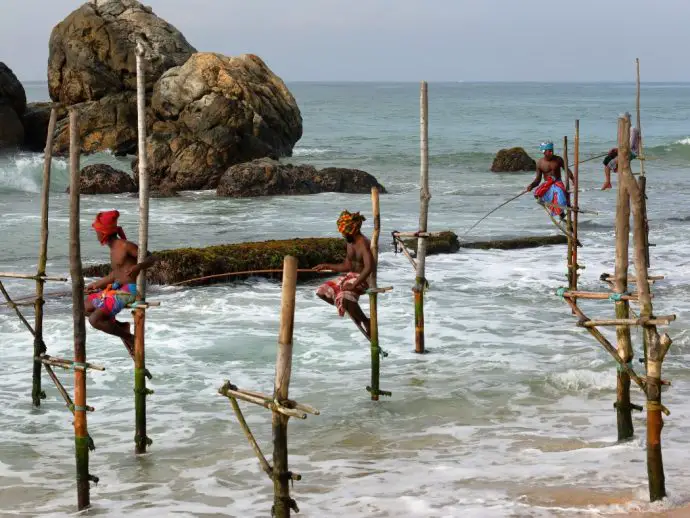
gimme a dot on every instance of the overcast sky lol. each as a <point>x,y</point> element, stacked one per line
<point>405,40</point>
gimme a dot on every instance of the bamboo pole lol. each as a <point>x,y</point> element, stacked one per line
<point>424,197</point>
<point>639,120</point>
<point>39,347</point>
<point>373,308</point>
<point>656,351</point>
<point>576,202</point>
<point>593,295</point>
<point>81,436</point>
<point>643,179</point>
<point>624,345</point>
<point>141,440</point>
<point>282,503</point>
<point>31,277</point>
<point>569,218</point>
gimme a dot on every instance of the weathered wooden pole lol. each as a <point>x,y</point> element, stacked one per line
<point>639,119</point>
<point>424,197</point>
<point>81,436</point>
<point>656,346</point>
<point>373,308</point>
<point>643,179</point>
<point>282,503</point>
<point>620,285</point>
<point>39,346</point>
<point>569,218</point>
<point>141,440</point>
<point>576,202</point>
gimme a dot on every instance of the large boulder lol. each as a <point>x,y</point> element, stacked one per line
<point>103,179</point>
<point>12,106</point>
<point>512,160</point>
<point>35,121</point>
<point>266,177</point>
<point>109,123</point>
<point>216,111</point>
<point>92,51</point>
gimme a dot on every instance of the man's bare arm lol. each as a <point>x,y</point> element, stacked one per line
<point>101,283</point>
<point>536,181</point>
<point>345,266</point>
<point>133,251</point>
<point>368,266</point>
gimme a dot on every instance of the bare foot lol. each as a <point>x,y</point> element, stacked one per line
<point>607,185</point>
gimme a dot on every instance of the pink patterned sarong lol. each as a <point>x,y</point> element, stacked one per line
<point>334,291</point>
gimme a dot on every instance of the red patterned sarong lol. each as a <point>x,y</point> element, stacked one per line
<point>335,291</point>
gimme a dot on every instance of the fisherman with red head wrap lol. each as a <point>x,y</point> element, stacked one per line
<point>114,292</point>
<point>552,192</point>
<point>344,292</point>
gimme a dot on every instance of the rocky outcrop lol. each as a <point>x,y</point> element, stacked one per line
<point>445,242</point>
<point>216,111</point>
<point>91,52</point>
<point>12,107</point>
<point>512,160</point>
<point>266,177</point>
<point>103,179</point>
<point>35,121</point>
<point>92,66</point>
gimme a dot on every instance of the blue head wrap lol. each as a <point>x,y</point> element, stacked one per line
<point>546,146</point>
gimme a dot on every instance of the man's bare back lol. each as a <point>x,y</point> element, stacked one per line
<point>123,260</point>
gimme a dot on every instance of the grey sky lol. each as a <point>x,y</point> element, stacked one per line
<point>404,40</point>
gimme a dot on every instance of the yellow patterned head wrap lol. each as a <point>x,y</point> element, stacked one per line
<point>350,223</point>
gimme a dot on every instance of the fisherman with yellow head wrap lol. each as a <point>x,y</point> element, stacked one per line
<point>344,292</point>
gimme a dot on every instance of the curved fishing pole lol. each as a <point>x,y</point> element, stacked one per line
<point>494,210</point>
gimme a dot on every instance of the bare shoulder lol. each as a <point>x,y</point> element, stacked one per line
<point>540,164</point>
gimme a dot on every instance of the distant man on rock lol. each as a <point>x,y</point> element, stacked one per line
<point>344,292</point>
<point>552,191</point>
<point>113,293</point>
<point>611,160</point>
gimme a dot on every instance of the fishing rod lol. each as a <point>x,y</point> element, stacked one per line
<point>494,210</point>
<point>246,272</point>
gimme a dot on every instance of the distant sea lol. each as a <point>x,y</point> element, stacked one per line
<point>510,414</point>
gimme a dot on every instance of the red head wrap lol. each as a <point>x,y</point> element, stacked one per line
<point>106,224</point>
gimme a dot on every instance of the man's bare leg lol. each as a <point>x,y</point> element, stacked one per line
<point>358,316</point>
<point>102,321</point>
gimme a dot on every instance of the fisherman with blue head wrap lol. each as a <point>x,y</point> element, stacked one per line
<point>552,191</point>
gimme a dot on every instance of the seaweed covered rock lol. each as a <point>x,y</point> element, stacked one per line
<point>517,243</point>
<point>103,179</point>
<point>12,107</point>
<point>216,111</point>
<point>513,160</point>
<point>442,243</point>
<point>91,52</point>
<point>190,263</point>
<point>266,177</point>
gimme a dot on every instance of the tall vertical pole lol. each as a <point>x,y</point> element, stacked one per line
<point>282,503</point>
<point>424,197</point>
<point>624,345</point>
<point>373,308</point>
<point>569,221</point>
<point>576,202</point>
<point>643,179</point>
<point>81,436</point>
<point>639,120</point>
<point>656,350</point>
<point>39,347</point>
<point>141,441</point>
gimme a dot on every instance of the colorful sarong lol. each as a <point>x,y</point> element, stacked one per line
<point>114,298</point>
<point>552,192</point>
<point>334,290</point>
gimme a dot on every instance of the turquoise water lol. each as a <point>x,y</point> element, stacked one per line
<point>512,399</point>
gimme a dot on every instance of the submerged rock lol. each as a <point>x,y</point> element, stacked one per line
<point>266,177</point>
<point>103,179</point>
<point>512,160</point>
<point>445,242</point>
<point>216,111</point>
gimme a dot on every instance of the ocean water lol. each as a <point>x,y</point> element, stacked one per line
<point>510,414</point>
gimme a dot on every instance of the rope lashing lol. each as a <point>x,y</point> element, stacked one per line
<point>560,292</point>
<point>617,297</point>
<point>79,408</point>
<point>654,406</point>
<point>396,249</point>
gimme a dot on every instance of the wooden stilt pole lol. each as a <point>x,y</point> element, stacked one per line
<point>624,348</point>
<point>81,436</point>
<point>656,350</point>
<point>141,440</point>
<point>424,196</point>
<point>39,347</point>
<point>569,219</point>
<point>639,121</point>
<point>373,308</point>
<point>282,503</point>
<point>643,179</point>
<point>576,203</point>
